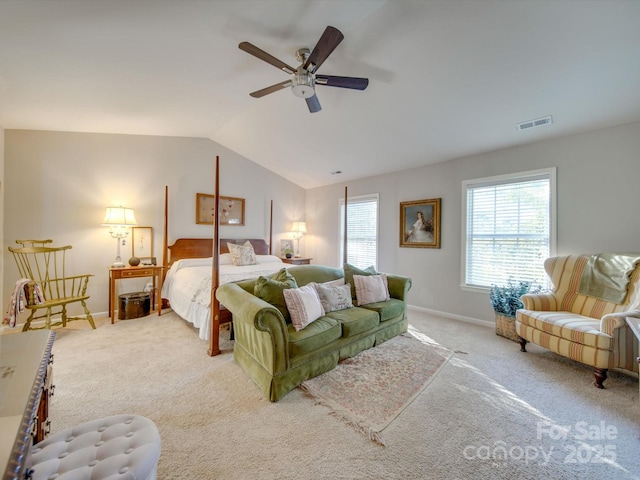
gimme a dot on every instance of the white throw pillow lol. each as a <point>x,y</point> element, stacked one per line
<point>371,288</point>
<point>334,297</point>
<point>226,259</point>
<point>304,305</point>
<point>242,254</point>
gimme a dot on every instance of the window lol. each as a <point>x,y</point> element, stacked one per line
<point>508,228</point>
<point>362,231</point>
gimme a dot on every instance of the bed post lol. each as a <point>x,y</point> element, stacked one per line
<point>271,229</point>
<point>165,239</point>
<point>344,248</point>
<point>214,334</point>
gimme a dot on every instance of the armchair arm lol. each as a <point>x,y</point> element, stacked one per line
<point>259,327</point>
<point>612,321</point>
<point>542,302</point>
<point>398,286</point>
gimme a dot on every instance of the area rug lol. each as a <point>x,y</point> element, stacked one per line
<point>370,390</point>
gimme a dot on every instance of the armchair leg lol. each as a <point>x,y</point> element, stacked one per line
<point>522,343</point>
<point>601,376</point>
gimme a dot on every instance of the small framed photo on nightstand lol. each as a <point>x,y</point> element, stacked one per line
<point>142,244</point>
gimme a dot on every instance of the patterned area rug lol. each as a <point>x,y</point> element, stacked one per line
<point>370,390</point>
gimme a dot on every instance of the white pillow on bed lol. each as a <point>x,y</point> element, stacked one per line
<point>268,259</point>
<point>191,262</point>
<point>225,259</point>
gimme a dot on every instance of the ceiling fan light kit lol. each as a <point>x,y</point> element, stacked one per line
<point>304,79</point>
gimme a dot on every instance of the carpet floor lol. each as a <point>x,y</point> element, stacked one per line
<point>369,390</point>
<point>492,412</point>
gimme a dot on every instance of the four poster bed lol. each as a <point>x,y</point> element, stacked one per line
<point>192,277</point>
<point>188,282</point>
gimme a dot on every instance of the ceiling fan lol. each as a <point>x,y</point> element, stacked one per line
<point>304,79</point>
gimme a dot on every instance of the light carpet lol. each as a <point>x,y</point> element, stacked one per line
<point>491,413</point>
<point>369,390</point>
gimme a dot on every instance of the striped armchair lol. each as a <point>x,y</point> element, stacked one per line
<point>583,328</point>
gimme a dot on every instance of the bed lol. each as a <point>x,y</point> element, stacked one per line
<point>188,281</point>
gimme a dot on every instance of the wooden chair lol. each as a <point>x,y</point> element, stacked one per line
<point>50,288</point>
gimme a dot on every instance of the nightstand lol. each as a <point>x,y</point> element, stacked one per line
<point>153,271</point>
<point>297,261</point>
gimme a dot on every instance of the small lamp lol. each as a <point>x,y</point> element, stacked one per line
<point>298,229</point>
<point>119,220</point>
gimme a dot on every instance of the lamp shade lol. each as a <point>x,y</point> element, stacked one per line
<point>299,228</point>
<point>119,216</point>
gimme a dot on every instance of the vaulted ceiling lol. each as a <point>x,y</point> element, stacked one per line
<point>447,78</point>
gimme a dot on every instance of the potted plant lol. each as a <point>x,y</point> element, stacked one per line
<point>505,300</point>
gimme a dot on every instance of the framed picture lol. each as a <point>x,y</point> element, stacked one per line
<point>142,244</point>
<point>420,223</point>
<point>231,210</point>
<point>286,246</point>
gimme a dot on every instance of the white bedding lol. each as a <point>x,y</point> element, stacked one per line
<point>187,284</point>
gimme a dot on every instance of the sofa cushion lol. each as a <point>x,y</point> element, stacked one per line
<point>371,288</point>
<point>316,335</point>
<point>355,320</point>
<point>303,304</point>
<point>350,271</point>
<point>270,290</point>
<point>392,308</point>
<point>334,297</point>
<point>567,325</point>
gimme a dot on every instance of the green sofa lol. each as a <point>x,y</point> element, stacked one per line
<point>278,358</point>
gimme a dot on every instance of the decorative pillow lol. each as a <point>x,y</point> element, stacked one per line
<point>303,305</point>
<point>350,271</point>
<point>242,254</point>
<point>270,290</point>
<point>334,297</point>
<point>225,259</point>
<point>371,288</point>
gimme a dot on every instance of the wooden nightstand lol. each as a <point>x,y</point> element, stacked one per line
<point>297,261</point>
<point>152,271</point>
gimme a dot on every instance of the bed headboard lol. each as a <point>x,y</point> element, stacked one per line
<point>202,247</point>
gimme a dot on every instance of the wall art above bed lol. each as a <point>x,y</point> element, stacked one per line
<point>420,223</point>
<point>231,210</point>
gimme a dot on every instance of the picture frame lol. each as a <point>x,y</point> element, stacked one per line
<point>286,246</point>
<point>231,210</point>
<point>142,244</point>
<point>420,223</point>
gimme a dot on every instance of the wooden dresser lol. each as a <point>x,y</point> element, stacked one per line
<point>25,386</point>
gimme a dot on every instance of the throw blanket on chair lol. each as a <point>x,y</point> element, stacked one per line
<point>20,298</point>
<point>606,276</point>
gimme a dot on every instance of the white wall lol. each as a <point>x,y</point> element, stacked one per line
<point>58,185</point>
<point>598,199</point>
<point>2,187</point>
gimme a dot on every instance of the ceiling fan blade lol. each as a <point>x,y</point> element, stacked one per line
<point>327,44</point>
<point>271,89</point>
<point>265,57</point>
<point>343,82</point>
<point>314,104</point>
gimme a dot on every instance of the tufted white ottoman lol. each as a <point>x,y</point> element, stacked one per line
<point>123,447</point>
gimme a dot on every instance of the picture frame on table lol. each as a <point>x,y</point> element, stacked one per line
<point>142,244</point>
<point>231,210</point>
<point>286,247</point>
<point>420,223</point>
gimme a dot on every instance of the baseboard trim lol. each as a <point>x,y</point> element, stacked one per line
<point>453,316</point>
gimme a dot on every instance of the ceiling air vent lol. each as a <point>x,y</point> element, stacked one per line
<point>538,122</point>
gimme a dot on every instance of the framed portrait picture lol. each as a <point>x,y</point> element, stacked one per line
<point>231,210</point>
<point>142,244</point>
<point>420,223</point>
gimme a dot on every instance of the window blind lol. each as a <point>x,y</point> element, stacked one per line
<point>362,231</point>
<point>508,229</point>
